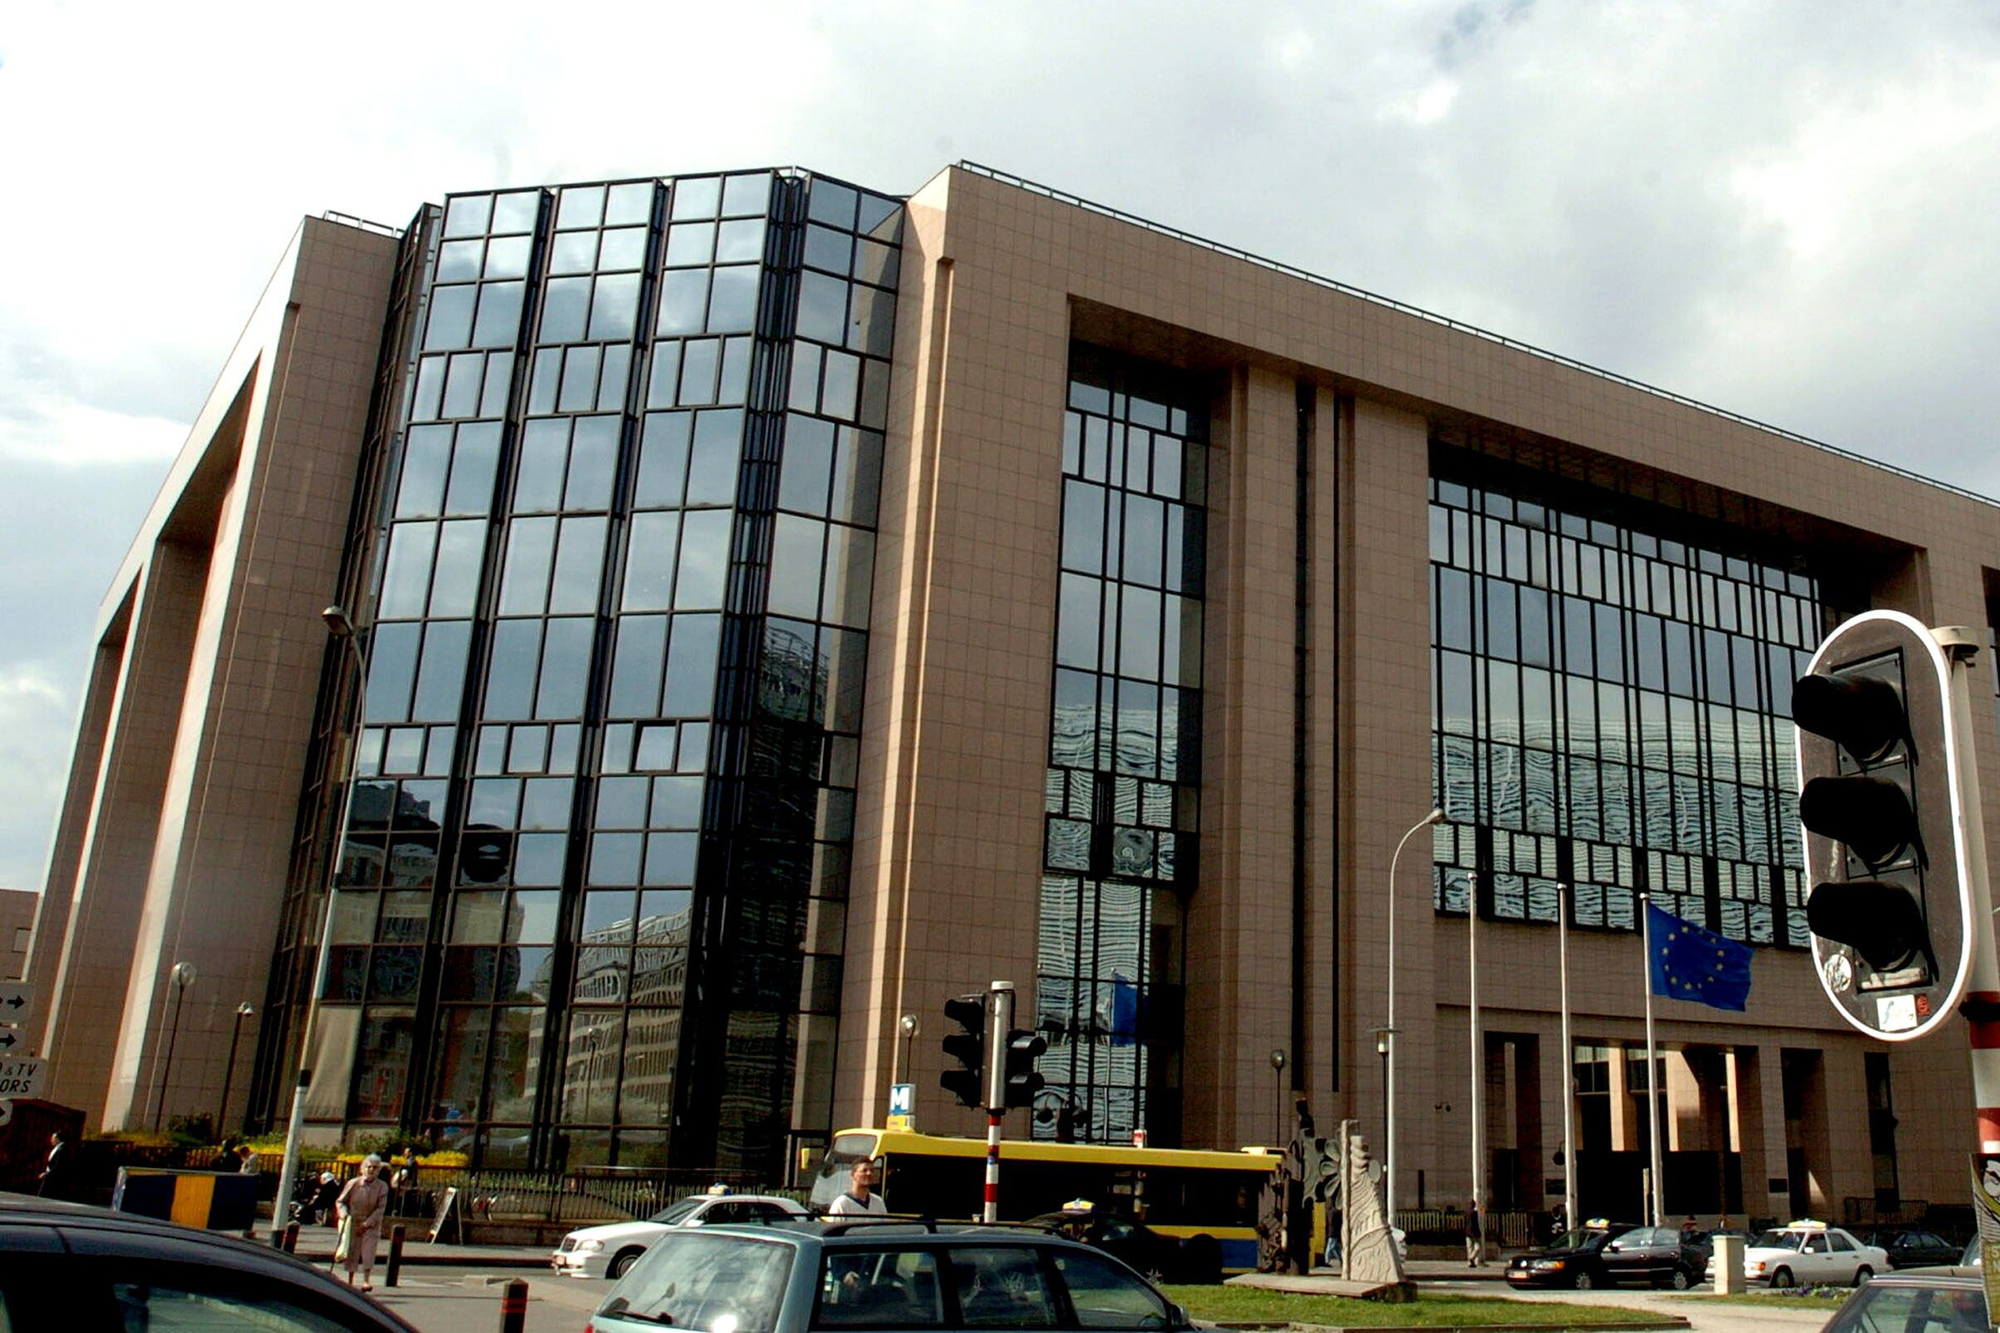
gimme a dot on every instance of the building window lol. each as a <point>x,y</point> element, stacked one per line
<point>1124,749</point>
<point>1611,708</point>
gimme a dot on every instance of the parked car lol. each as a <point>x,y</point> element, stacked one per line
<point>1137,1245</point>
<point>1909,1248</point>
<point>851,1273</point>
<point>1601,1253</point>
<point>1930,1302</point>
<point>1810,1253</point>
<point>67,1268</point>
<point>610,1249</point>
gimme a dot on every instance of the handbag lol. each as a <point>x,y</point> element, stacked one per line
<point>345,1245</point>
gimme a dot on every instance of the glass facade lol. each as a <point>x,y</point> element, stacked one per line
<point>1611,707</point>
<point>592,894</point>
<point>1124,775</point>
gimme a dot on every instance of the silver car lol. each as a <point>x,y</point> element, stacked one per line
<point>607,1251</point>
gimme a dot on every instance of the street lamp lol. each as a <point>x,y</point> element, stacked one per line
<point>1478,1044</point>
<point>243,1011</point>
<point>341,626</point>
<point>908,1023</point>
<point>1389,1159</point>
<point>183,977</point>
<point>1278,1118</point>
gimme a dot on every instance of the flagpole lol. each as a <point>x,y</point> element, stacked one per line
<point>1652,1059</point>
<point>1568,1063</point>
<point>1478,1046</point>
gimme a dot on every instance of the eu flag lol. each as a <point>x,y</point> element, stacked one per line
<point>1690,963</point>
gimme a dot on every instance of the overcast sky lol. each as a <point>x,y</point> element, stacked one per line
<point>1788,210</point>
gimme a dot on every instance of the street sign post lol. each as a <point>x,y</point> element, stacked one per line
<point>22,1077</point>
<point>902,1106</point>
<point>17,1002</point>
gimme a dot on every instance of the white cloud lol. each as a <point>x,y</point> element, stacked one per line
<point>36,717</point>
<point>78,435</point>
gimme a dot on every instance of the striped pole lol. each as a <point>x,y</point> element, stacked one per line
<point>992,1213</point>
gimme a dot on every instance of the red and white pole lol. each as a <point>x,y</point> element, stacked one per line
<point>999,1021</point>
<point>992,1213</point>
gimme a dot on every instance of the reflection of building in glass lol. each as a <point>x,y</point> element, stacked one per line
<point>1176,585</point>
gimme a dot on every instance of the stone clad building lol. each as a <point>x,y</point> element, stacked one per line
<point>787,605</point>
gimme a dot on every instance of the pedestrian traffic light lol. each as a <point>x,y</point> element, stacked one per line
<point>968,1047</point>
<point>1879,796</point>
<point>1019,1080</point>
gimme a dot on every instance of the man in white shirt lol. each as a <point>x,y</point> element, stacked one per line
<point>860,1198</point>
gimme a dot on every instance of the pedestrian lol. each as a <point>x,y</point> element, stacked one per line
<point>246,1160</point>
<point>860,1198</point>
<point>55,1177</point>
<point>324,1195</point>
<point>1475,1235</point>
<point>1688,1229</point>
<point>361,1207</point>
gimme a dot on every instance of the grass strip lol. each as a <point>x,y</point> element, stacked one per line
<point>1254,1305</point>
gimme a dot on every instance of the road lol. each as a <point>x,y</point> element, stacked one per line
<point>467,1300</point>
<point>1702,1316</point>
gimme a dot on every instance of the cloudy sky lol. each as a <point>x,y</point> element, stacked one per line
<point>1789,210</point>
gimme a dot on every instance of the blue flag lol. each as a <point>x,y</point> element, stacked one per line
<point>1690,963</point>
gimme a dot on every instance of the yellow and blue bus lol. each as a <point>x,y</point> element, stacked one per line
<point>1205,1200</point>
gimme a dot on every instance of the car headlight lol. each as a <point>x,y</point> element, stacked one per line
<point>589,1246</point>
<point>1757,1266</point>
<point>1548,1265</point>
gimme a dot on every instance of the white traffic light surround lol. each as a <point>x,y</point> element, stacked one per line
<point>1904,1012</point>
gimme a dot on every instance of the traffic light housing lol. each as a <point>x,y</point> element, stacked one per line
<point>1019,1081</point>
<point>1879,797</point>
<point>967,1046</point>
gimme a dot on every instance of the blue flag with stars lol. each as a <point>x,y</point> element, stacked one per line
<point>1690,963</point>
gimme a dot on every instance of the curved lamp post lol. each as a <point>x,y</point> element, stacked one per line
<point>1278,1116</point>
<point>341,626</point>
<point>1390,1161</point>
<point>243,1011</point>
<point>183,977</point>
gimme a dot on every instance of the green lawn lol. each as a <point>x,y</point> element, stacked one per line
<point>1251,1304</point>
<point>1826,1298</point>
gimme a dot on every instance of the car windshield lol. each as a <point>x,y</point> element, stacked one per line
<point>705,1281</point>
<point>1582,1238</point>
<point>1779,1240</point>
<point>676,1213</point>
<point>1884,1307</point>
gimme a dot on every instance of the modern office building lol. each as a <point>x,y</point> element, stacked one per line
<point>784,606</point>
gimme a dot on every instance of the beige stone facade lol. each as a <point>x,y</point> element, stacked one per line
<point>997,281</point>
<point>175,833</point>
<point>1326,406</point>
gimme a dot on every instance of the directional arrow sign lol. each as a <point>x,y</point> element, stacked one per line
<point>8,1041</point>
<point>21,1077</point>
<point>17,1001</point>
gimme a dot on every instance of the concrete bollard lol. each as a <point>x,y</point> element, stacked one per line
<point>1728,1264</point>
<point>514,1307</point>
<point>395,1254</point>
<point>291,1238</point>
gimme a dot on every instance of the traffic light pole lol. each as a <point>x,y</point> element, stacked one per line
<point>1000,1021</point>
<point>1981,1005</point>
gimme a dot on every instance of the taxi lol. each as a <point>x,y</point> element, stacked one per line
<point>1810,1253</point>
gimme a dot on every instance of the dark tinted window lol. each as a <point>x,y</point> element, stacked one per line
<point>1885,1308</point>
<point>1106,1295</point>
<point>879,1289</point>
<point>1001,1287</point>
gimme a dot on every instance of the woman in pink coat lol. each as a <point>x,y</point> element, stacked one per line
<point>362,1206</point>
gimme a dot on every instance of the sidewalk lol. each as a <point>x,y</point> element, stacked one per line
<point>316,1246</point>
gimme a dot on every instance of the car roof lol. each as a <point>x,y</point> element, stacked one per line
<point>151,1238</point>
<point>845,1232</point>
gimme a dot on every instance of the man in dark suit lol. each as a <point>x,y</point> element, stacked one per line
<point>55,1181</point>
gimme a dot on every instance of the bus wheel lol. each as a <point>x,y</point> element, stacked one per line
<point>1201,1259</point>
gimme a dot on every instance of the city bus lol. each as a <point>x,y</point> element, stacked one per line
<point>1207,1201</point>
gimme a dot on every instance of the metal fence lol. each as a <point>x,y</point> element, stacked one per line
<point>590,1194</point>
<point>1446,1226</point>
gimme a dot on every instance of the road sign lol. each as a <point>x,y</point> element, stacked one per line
<point>22,1077</point>
<point>902,1106</point>
<point>9,1040</point>
<point>17,1001</point>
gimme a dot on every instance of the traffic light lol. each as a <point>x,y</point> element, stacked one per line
<point>1018,1078</point>
<point>967,1046</point>
<point>1879,798</point>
